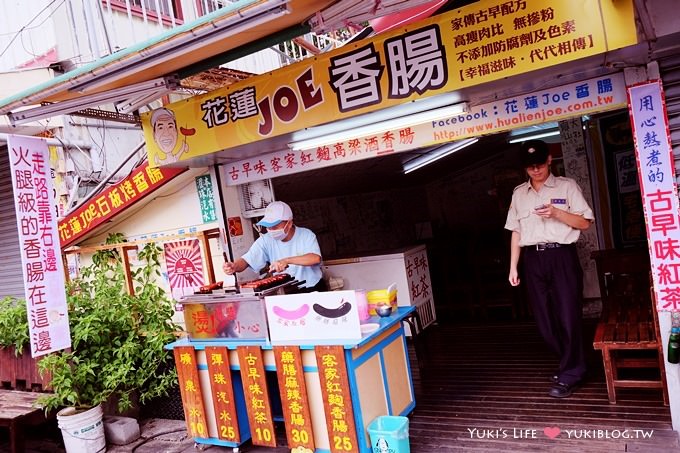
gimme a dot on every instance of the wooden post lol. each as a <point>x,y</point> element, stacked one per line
<point>207,256</point>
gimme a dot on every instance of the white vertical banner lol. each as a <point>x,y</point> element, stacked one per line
<point>659,192</point>
<point>43,269</point>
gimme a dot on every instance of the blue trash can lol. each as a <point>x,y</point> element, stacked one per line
<point>389,434</point>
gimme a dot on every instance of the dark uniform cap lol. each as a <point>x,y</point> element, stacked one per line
<point>534,152</point>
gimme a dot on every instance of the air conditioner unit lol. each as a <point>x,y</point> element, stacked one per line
<point>254,197</point>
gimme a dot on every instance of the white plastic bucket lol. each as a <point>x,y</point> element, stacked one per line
<point>83,432</point>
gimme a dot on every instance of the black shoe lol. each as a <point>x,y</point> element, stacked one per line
<point>561,390</point>
<point>554,379</point>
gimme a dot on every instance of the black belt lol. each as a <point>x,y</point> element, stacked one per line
<point>548,246</point>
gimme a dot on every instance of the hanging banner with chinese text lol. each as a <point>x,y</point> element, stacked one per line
<point>185,266</point>
<point>659,191</point>
<point>586,97</point>
<point>478,43</point>
<point>43,268</point>
<point>141,182</point>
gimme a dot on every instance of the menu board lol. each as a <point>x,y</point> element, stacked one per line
<point>337,399</point>
<point>294,399</point>
<point>222,393</point>
<point>257,395</point>
<point>190,388</point>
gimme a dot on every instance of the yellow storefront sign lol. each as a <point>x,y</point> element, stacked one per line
<point>478,43</point>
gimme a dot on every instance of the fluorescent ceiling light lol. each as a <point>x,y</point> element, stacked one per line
<point>64,107</point>
<point>533,136</point>
<point>438,153</point>
<point>381,126</point>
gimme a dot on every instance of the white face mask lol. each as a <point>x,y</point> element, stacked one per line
<point>278,234</point>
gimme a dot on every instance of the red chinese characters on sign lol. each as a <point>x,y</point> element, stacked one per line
<point>39,245</point>
<point>293,390</point>
<point>418,276</point>
<point>190,388</point>
<point>222,393</point>
<point>659,191</point>
<point>257,395</point>
<point>140,183</point>
<point>337,399</point>
<point>288,162</point>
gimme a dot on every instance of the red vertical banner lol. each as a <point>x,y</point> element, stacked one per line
<point>337,399</point>
<point>294,400</point>
<point>257,395</point>
<point>190,388</point>
<point>222,393</point>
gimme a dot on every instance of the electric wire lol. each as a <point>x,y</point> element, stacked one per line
<point>21,30</point>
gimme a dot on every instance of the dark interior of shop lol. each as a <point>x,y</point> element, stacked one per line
<point>457,206</point>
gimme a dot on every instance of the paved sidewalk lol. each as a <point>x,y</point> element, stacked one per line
<point>157,436</point>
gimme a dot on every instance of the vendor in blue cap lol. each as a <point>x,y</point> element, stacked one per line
<point>286,247</point>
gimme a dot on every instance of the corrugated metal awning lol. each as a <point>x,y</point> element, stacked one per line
<point>224,30</point>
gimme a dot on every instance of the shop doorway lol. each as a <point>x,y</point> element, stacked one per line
<point>457,208</point>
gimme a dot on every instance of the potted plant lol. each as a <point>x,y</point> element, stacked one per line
<point>118,342</point>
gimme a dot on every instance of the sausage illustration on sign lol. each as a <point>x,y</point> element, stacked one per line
<point>333,313</point>
<point>291,314</point>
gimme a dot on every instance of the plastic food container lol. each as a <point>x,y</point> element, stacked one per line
<point>222,317</point>
<point>382,297</point>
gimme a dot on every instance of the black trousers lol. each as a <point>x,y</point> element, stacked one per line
<point>554,282</point>
<point>320,286</point>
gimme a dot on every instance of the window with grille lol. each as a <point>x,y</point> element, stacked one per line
<point>208,6</point>
<point>168,10</point>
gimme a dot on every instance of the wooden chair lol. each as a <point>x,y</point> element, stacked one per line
<point>629,324</point>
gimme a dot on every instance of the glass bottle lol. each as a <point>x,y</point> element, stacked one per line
<point>674,346</point>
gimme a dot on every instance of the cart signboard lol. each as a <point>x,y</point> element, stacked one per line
<point>313,317</point>
<point>257,396</point>
<point>337,400</point>
<point>293,389</point>
<point>190,388</point>
<point>217,358</point>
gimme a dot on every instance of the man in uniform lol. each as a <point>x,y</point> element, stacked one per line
<point>546,217</point>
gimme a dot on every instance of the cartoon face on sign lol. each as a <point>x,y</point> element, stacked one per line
<point>300,318</point>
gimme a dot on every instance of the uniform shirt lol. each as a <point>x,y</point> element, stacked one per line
<point>265,249</point>
<point>562,193</point>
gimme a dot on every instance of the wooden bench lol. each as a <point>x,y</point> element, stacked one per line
<point>17,408</point>
<point>20,387</point>
<point>629,324</point>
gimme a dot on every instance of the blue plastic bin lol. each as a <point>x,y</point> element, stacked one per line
<point>389,434</point>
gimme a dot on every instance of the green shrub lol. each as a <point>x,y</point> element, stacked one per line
<point>13,324</point>
<point>117,339</point>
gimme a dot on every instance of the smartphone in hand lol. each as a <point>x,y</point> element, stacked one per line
<point>540,206</point>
